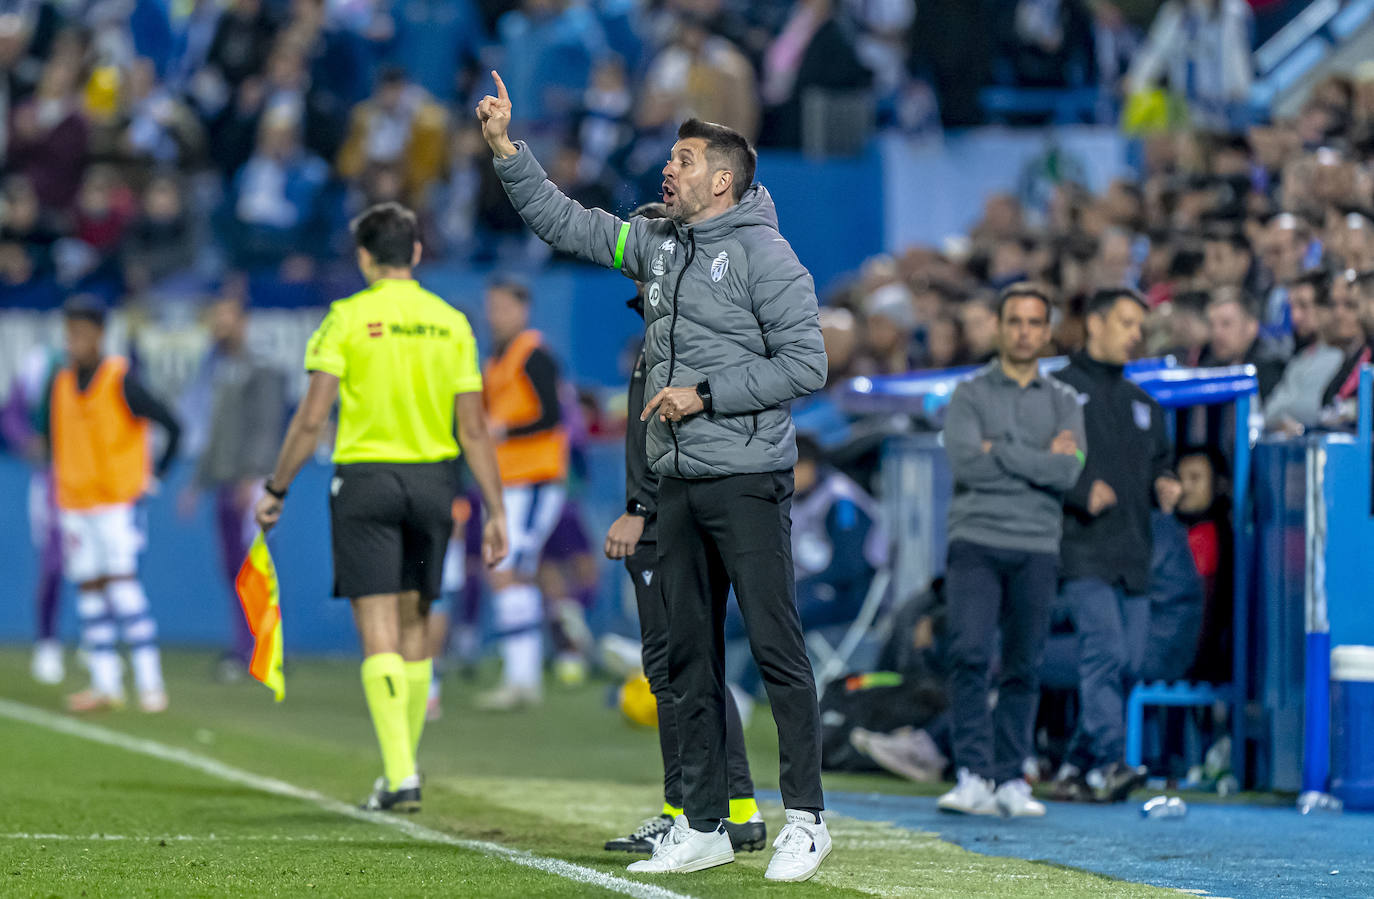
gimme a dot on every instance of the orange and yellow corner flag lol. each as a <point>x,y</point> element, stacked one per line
<point>258,594</point>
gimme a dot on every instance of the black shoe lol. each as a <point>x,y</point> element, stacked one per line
<point>751,836</point>
<point>1069,785</point>
<point>645,837</point>
<point>1117,781</point>
<point>405,799</point>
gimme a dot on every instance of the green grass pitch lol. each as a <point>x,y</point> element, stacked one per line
<point>86,818</point>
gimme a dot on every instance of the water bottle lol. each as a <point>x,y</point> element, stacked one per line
<point>1164,807</point>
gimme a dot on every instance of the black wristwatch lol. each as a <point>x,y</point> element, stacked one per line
<point>635,507</point>
<point>704,391</point>
<point>273,491</point>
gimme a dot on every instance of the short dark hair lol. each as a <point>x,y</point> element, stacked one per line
<point>809,449</point>
<point>389,232</point>
<point>84,307</point>
<point>651,211</point>
<point>726,149</point>
<point>1100,302</point>
<point>1319,281</point>
<point>1024,289</point>
<point>513,285</point>
<point>1244,301</point>
<point>1232,237</point>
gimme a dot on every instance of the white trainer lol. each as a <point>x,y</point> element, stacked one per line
<point>971,796</point>
<point>799,849</point>
<point>1014,800</point>
<point>682,850</point>
<point>47,666</point>
<point>509,698</point>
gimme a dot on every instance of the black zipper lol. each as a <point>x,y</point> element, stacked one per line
<point>753,431</point>
<point>672,343</point>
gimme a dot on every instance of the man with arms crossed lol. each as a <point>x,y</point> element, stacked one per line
<point>403,365</point>
<point>1015,444</point>
<point>732,337</point>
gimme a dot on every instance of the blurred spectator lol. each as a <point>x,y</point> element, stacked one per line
<point>945,341</point>
<point>1349,337</point>
<point>1233,339</point>
<point>26,227</point>
<point>435,40</point>
<point>979,319</point>
<point>1206,512</point>
<point>1187,332</point>
<point>48,135</point>
<point>890,321</point>
<point>1201,49</point>
<point>1296,402</point>
<point>163,239</point>
<point>455,205</point>
<point>841,343</point>
<point>274,197</point>
<point>104,208</point>
<point>1046,43</point>
<point>157,127</point>
<point>238,404</point>
<point>548,50</point>
<point>1227,260</point>
<point>603,126</point>
<point>400,126</point>
<point>239,49</point>
<point>814,51</point>
<point>577,181</point>
<point>1113,266</point>
<point>700,75</point>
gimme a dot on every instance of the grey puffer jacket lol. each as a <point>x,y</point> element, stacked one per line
<point>726,301</point>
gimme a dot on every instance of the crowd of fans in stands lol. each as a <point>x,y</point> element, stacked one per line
<point>135,130</point>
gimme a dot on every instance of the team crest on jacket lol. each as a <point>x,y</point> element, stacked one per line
<point>659,266</point>
<point>1141,411</point>
<point>720,265</point>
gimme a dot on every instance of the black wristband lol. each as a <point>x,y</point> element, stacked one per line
<point>273,491</point>
<point>704,391</point>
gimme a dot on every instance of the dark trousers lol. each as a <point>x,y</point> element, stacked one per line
<point>231,518</point>
<point>989,589</point>
<point>653,630</point>
<point>713,534</point>
<point>1112,627</point>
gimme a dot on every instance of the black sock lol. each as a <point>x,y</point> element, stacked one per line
<point>706,825</point>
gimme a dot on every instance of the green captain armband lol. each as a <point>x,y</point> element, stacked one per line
<point>620,245</point>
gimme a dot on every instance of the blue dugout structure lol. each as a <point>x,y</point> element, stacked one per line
<point>927,393</point>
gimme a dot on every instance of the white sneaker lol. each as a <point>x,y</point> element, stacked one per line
<point>972,796</point>
<point>153,701</point>
<point>47,666</point>
<point>508,698</point>
<point>1014,800</point>
<point>683,850</point>
<point>799,849</point>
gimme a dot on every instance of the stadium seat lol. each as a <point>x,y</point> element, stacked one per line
<point>832,659</point>
<point>1177,693</point>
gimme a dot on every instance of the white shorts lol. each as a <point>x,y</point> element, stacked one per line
<point>100,543</point>
<point>532,512</point>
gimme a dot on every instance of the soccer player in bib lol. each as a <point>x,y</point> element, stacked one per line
<point>97,428</point>
<point>403,365</point>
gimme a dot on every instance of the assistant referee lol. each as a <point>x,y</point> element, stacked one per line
<point>403,365</point>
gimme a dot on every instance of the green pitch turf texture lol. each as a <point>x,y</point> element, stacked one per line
<point>83,818</point>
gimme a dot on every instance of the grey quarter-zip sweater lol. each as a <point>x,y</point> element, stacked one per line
<point>1011,496</point>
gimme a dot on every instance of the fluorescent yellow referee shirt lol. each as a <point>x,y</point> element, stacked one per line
<point>401,354</point>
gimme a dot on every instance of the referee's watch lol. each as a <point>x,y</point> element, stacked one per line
<point>273,492</point>
<point>704,391</point>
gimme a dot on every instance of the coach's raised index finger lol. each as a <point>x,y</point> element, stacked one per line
<point>500,87</point>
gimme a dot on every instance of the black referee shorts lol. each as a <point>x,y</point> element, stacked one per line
<point>391,524</point>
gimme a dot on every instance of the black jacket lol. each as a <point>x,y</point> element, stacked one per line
<point>641,482</point>
<point>1128,449</point>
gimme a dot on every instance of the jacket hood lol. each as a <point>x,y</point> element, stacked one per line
<point>754,208</point>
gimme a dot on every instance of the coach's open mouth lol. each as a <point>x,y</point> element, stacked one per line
<point>669,195</point>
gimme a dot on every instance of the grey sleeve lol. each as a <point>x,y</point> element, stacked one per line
<point>963,439</point>
<point>784,302</point>
<point>564,224</point>
<point>1041,467</point>
<point>265,403</point>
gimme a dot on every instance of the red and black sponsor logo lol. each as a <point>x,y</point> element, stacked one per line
<point>374,329</point>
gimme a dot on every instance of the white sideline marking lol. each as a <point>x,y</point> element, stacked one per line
<point>96,734</point>
<point>177,838</point>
